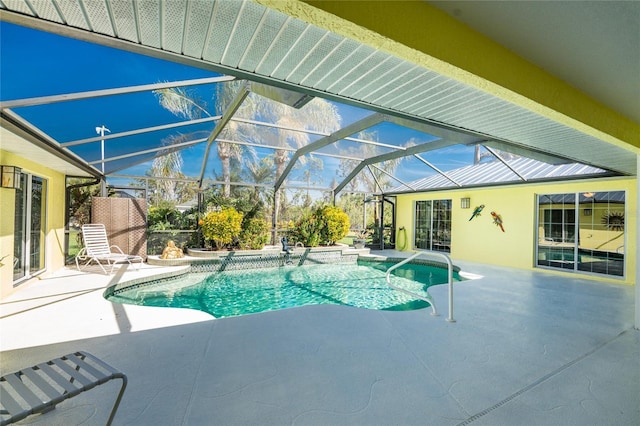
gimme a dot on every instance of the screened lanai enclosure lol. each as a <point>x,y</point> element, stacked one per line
<point>250,104</point>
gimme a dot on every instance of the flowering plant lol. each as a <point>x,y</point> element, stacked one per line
<point>362,234</point>
<point>221,226</point>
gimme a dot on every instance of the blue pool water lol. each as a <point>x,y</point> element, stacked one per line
<point>233,293</point>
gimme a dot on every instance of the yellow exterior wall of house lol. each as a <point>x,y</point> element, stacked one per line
<point>480,240</point>
<point>54,227</point>
<point>7,210</point>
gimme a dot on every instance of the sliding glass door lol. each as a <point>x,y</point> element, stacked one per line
<point>602,232</point>
<point>557,230</point>
<point>433,225</point>
<point>582,232</point>
<point>29,227</point>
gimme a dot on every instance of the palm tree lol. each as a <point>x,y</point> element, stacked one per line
<point>168,163</point>
<point>259,173</point>
<point>225,94</point>
<point>167,166</point>
<point>187,104</point>
<point>314,165</point>
<point>181,102</point>
<point>317,115</point>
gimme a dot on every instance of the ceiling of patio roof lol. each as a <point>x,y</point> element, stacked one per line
<point>247,40</point>
<point>573,40</point>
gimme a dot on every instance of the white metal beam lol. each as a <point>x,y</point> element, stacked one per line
<point>233,107</point>
<point>427,146</point>
<point>168,148</point>
<point>314,132</point>
<point>443,174</point>
<point>375,180</point>
<point>392,177</point>
<point>140,131</point>
<point>356,127</point>
<point>42,100</point>
<point>319,154</point>
<point>502,160</point>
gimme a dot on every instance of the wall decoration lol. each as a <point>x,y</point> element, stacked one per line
<point>497,220</point>
<point>613,220</point>
<point>476,211</point>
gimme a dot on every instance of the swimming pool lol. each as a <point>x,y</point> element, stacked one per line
<point>242,292</point>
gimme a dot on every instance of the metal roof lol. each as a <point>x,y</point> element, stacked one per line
<point>248,40</point>
<point>518,170</point>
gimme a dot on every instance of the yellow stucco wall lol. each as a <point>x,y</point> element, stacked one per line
<point>420,33</point>
<point>54,228</point>
<point>480,240</point>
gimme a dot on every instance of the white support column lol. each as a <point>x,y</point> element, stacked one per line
<point>636,218</point>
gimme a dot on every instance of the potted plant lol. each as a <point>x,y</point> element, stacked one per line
<point>360,239</point>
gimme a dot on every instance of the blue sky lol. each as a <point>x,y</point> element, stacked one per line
<point>35,63</point>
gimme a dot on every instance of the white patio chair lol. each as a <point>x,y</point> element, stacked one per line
<point>96,248</point>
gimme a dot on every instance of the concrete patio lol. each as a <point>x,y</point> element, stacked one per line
<point>528,348</point>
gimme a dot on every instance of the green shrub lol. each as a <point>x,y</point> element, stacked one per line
<point>255,234</point>
<point>306,230</point>
<point>163,216</point>
<point>222,226</point>
<point>336,224</point>
<point>325,226</point>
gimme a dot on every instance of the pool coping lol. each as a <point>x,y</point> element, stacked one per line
<point>187,268</point>
<point>208,256</point>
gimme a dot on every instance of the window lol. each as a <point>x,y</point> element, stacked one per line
<point>29,227</point>
<point>582,232</point>
<point>433,225</point>
<point>559,225</point>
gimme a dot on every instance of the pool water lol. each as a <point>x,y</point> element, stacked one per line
<point>233,293</point>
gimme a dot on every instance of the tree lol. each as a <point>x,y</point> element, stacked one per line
<point>80,200</point>
<point>353,205</point>
<point>182,103</point>
<point>168,163</point>
<point>318,115</point>
<point>259,173</point>
<point>370,179</point>
<point>225,94</point>
<point>187,104</point>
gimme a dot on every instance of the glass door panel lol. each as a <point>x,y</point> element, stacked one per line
<point>442,225</point>
<point>37,228</point>
<point>423,225</point>
<point>582,232</point>
<point>20,230</point>
<point>29,227</point>
<point>601,244</point>
<point>556,230</point>
<point>433,225</point>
